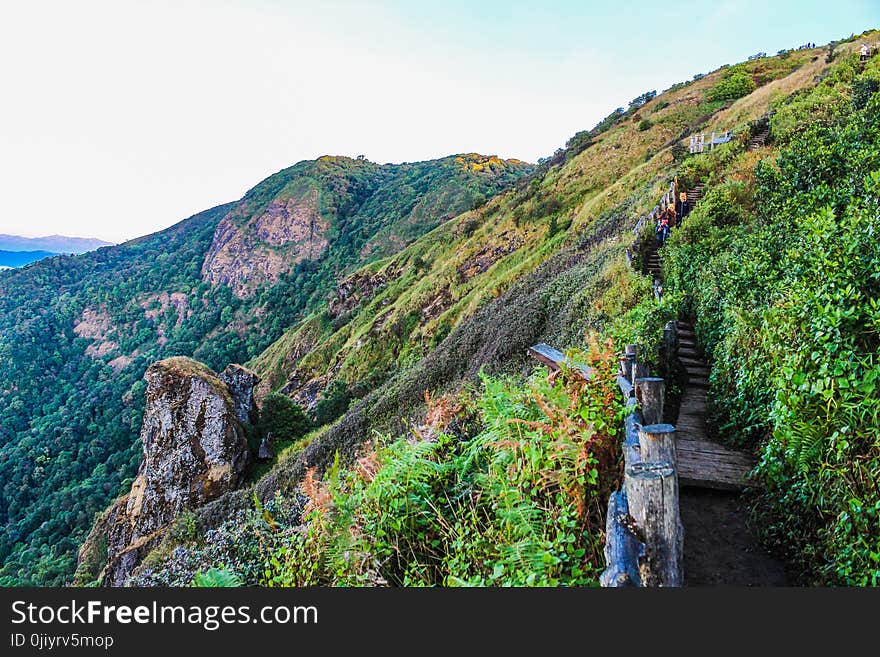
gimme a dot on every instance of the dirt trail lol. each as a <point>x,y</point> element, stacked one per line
<point>719,546</point>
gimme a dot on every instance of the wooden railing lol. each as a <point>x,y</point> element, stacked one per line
<point>667,199</point>
<point>698,143</point>
<point>644,535</point>
<point>650,218</point>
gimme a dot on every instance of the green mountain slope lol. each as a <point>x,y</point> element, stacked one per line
<point>77,333</point>
<point>544,261</point>
<point>394,312</point>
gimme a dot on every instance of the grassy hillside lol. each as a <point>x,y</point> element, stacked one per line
<point>393,313</point>
<point>541,262</point>
<point>77,333</point>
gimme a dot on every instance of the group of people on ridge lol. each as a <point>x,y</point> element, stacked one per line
<point>666,220</point>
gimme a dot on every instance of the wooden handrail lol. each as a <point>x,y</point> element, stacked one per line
<point>643,532</point>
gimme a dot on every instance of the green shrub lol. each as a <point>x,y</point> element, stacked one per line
<point>520,503</point>
<point>334,402</point>
<point>217,578</point>
<point>283,417</point>
<point>645,124</point>
<point>736,83</point>
<point>863,89</point>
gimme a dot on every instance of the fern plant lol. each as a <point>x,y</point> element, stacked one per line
<point>216,578</point>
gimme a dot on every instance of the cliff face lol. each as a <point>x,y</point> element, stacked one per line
<point>246,255</point>
<point>241,383</point>
<point>194,451</point>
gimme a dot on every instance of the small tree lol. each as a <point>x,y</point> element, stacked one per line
<point>639,101</point>
<point>477,201</point>
<point>283,417</point>
<point>334,402</point>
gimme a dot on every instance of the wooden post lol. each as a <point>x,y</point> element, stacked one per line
<point>657,443</point>
<point>669,335</point>
<point>650,393</point>
<point>625,368</point>
<point>631,352</point>
<point>621,546</point>
<point>640,370</point>
<point>652,493</point>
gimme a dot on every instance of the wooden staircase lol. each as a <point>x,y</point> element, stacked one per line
<point>702,462</point>
<point>759,140</point>
<point>653,263</point>
<point>695,195</point>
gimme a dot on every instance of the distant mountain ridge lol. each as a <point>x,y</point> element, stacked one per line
<point>54,244</point>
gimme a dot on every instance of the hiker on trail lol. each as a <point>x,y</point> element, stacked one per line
<point>682,205</point>
<point>864,52</point>
<point>663,229</point>
<point>670,211</point>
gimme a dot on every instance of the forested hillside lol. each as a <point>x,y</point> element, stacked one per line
<point>78,332</point>
<point>453,462</point>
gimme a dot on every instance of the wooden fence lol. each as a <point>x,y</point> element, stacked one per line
<point>698,143</point>
<point>644,535</point>
<point>650,218</point>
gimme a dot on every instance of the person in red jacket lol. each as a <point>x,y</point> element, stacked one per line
<point>663,229</point>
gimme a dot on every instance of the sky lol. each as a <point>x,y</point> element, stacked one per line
<point>119,118</point>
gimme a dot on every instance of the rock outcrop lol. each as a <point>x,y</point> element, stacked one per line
<point>248,251</point>
<point>195,450</point>
<point>489,254</point>
<point>359,287</point>
<point>241,383</point>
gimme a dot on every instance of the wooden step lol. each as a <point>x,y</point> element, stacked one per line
<point>710,465</point>
<point>692,362</point>
<point>697,372</point>
<point>693,402</point>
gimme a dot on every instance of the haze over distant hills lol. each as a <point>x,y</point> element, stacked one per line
<point>54,244</point>
<point>11,259</point>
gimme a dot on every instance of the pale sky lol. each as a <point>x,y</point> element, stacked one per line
<point>119,118</point>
